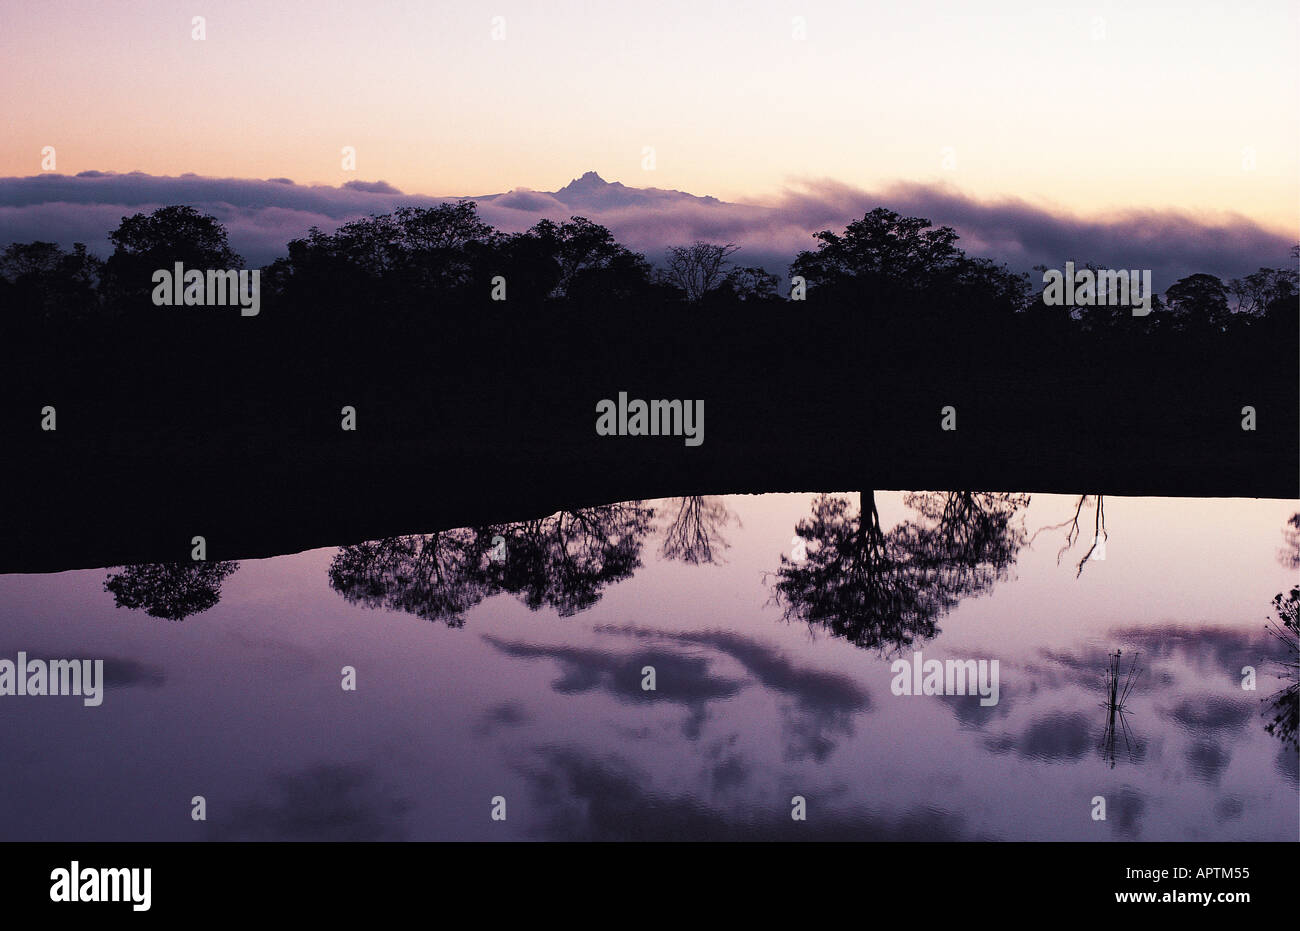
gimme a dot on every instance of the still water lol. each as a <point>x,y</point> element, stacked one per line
<point>506,669</point>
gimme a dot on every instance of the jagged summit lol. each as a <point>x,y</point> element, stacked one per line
<point>589,184</point>
<point>592,192</point>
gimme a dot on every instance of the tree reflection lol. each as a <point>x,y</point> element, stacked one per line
<point>1289,555</point>
<point>695,534</point>
<point>1097,550</point>
<point>564,561</point>
<point>1285,704</point>
<point>972,533</point>
<point>435,576</point>
<point>174,590</point>
<point>886,590</point>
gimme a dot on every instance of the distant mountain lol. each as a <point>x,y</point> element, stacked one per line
<point>594,193</point>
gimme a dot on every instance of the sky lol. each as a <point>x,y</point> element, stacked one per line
<point>1089,108</point>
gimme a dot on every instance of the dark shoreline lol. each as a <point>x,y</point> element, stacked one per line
<point>68,519</point>
<point>231,428</point>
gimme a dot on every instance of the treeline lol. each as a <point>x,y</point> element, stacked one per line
<point>395,317</point>
<point>422,264</point>
<point>381,389</point>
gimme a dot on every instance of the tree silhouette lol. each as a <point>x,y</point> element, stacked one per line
<point>1254,294</point>
<point>173,590</point>
<point>586,262</point>
<point>1285,704</point>
<point>145,243</point>
<point>436,576</point>
<point>694,535</point>
<point>1100,317</point>
<point>49,284</point>
<point>563,561</point>
<point>880,254</point>
<point>1197,302</point>
<point>568,559</point>
<point>856,581</point>
<point>978,534</point>
<point>446,250</point>
<point>751,284</point>
<point>906,280</point>
<point>175,234</point>
<point>698,268</point>
<point>1072,533</point>
<point>886,590</point>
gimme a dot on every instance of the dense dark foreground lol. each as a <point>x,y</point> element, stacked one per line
<point>200,422</point>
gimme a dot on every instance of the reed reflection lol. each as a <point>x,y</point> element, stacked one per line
<point>1119,684</point>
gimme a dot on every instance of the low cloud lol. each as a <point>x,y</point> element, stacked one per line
<point>263,215</point>
<point>327,802</point>
<point>580,796</point>
<point>369,187</point>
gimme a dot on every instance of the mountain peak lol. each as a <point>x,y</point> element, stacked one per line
<point>588,179</point>
<point>589,191</point>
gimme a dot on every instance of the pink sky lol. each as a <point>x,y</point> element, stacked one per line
<point>1089,108</point>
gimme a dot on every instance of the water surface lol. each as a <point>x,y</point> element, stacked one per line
<point>523,678</point>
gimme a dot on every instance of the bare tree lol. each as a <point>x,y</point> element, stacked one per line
<point>698,268</point>
<point>1099,534</point>
<point>1255,293</point>
<point>696,532</point>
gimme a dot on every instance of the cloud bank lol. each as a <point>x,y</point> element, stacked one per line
<point>263,215</point>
